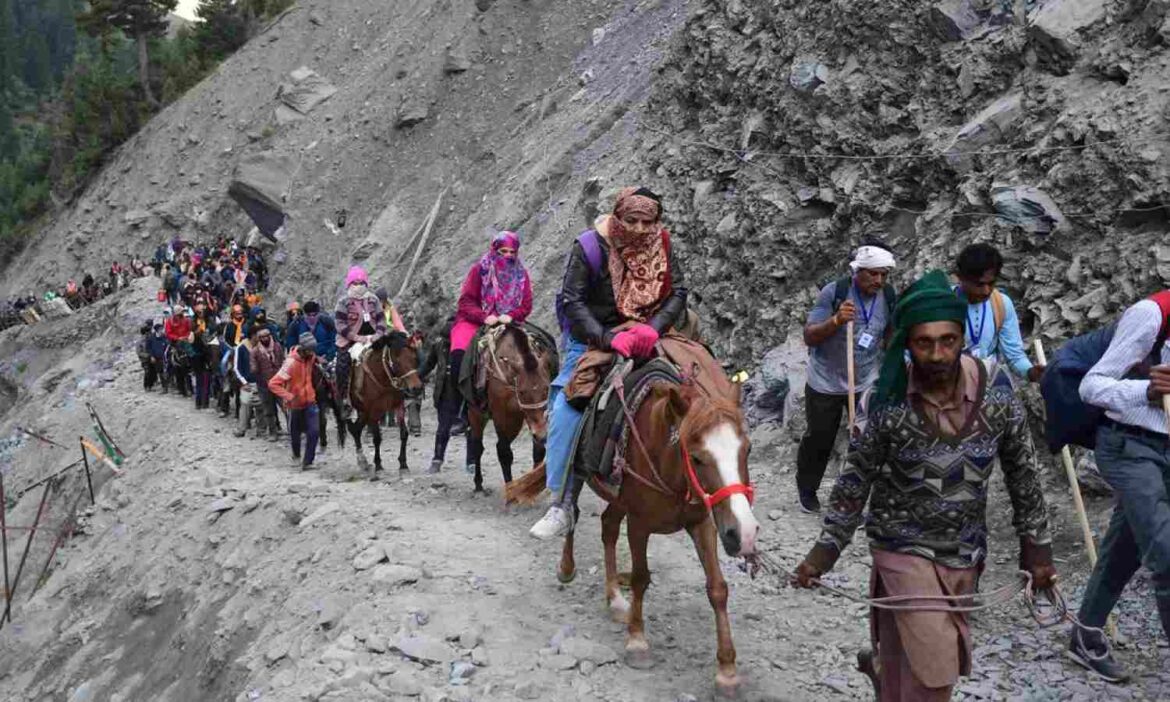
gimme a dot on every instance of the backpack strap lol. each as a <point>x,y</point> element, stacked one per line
<point>842,292</point>
<point>998,310</point>
<point>891,303</point>
<point>591,247</point>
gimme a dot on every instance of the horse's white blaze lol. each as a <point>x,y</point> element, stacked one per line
<point>723,444</point>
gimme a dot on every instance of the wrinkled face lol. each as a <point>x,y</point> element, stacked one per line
<point>720,458</point>
<point>640,224</point>
<point>978,289</point>
<point>934,349</point>
<point>870,281</point>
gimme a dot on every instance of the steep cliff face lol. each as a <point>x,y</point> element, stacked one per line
<point>791,129</point>
<point>508,108</point>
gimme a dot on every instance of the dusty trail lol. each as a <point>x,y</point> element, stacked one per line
<point>214,569</point>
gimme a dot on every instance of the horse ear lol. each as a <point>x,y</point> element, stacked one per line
<point>678,403</point>
<point>737,394</point>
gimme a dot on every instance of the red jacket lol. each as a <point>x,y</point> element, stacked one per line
<point>178,328</point>
<point>294,382</point>
<point>471,307</point>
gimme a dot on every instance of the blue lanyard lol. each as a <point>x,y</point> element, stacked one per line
<point>866,314</point>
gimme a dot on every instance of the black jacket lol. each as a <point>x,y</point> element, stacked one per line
<point>592,310</point>
<point>436,360</point>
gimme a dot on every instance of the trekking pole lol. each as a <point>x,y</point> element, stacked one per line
<point>852,379</point>
<point>1078,501</point>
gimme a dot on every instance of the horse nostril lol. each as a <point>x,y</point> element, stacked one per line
<point>731,541</point>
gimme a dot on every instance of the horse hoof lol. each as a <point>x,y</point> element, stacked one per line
<point>727,685</point>
<point>638,654</point>
<point>566,578</point>
<point>403,469</point>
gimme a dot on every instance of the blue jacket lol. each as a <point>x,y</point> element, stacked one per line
<point>243,364</point>
<point>157,346</point>
<point>325,333</point>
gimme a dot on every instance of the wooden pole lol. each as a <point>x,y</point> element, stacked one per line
<point>852,376</point>
<point>422,242</point>
<point>1078,501</point>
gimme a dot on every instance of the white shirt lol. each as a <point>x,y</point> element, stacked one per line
<point>1105,385</point>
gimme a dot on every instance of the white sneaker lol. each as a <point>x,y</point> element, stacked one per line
<point>556,522</point>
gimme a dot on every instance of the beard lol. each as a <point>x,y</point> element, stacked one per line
<point>938,373</point>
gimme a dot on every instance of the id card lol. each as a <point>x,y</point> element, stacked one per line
<point>865,340</point>
<point>976,352</point>
<point>365,316</point>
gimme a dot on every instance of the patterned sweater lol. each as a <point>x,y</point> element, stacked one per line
<point>927,492</point>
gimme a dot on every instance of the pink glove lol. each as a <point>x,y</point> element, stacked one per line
<point>623,343</point>
<point>644,340</point>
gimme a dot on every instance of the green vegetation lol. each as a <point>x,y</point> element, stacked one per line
<point>79,78</point>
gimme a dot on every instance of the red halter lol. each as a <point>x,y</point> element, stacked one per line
<point>695,489</point>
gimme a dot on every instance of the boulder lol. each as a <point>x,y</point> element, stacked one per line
<point>1056,27</point>
<point>370,557</point>
<point>424,649</point>
<point>955,20</point>
<point>1027,207</point>
<point>394,575</point>
<point>305,90</point>
<point>586,650</point>
<point>990,126</point>
<point>412,112</point>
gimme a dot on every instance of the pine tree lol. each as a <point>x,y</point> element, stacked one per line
<point>8,46</point>
<point>140,20</point>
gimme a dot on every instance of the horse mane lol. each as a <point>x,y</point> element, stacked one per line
<point>520,338</point>
<point>396,340</point>
<point>707,412</point>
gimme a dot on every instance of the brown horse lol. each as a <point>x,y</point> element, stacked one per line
<point>517,393</point>
<point>697,480</point>
<point>389,379</point>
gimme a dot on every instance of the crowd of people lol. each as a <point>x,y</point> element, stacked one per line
<point>933,367</point>
<point>30,309</point>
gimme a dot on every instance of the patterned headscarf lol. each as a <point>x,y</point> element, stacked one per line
<point>641,269</point>
<point>928,299</point>
<point>502,279</point>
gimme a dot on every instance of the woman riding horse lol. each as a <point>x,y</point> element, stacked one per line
<point>497,290</point>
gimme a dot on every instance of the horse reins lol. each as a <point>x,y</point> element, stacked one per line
<point>956,604</point>
<point>695,492</point>
<point>397,382</point>
<point>498,372</point>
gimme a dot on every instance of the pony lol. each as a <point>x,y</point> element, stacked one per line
<point>686,469</point>
<point>389,379</point>
<point>517,394</point>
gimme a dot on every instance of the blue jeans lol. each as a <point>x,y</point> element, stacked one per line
<point>304,421</point>
<point>563,423</point>
<point>1138,468</point>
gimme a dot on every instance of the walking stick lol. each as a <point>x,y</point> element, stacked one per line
<point>1078,501</point>
<point>852,379</point>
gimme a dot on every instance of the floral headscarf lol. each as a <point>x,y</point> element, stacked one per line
<point>641,269</point>
<point>502,279</point>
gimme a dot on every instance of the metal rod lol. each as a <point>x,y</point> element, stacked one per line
<point>63,533</point>
<point>42,481</point>
<point>24,556</point>
<point>88,476</point>
<point>4,541</point>
<point>40,437</point>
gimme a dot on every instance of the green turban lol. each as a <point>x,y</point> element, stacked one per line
<point>928,299</point>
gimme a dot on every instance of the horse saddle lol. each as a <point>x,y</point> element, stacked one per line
<point>357,352</point>
<point>602,440</point>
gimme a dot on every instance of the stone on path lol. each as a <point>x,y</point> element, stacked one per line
<point>424,649</point>
<point>585,650</point>
<point>393,575</point>
<point>322,511</point>
<point>370,557</point>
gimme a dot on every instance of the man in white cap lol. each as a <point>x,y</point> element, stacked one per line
<point>866,299</point>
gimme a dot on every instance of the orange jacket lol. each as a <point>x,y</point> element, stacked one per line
<point>293,383</point>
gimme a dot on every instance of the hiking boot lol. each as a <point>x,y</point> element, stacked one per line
<point>1095,657</point>
<point>435,466</point>
<point>556,522</point>
<point>239,434</point>
<point>459,428</point>
<point>809,503</point>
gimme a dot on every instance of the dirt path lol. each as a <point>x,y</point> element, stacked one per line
<point>305,583</point>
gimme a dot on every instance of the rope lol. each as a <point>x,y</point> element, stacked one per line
<point>958,603</point>
<point>748,155</point>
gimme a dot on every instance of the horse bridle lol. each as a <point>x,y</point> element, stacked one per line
<point>695,492</point>
<point>397,382</point>
<point>498,372</point>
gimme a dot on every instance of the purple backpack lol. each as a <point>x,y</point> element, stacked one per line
<point>591,247</point>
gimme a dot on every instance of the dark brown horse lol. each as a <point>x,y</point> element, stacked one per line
<point>517,394</point>
<point>686,469</point>
<point>388,378</point>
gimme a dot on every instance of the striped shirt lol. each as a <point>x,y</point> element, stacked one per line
<point>1105,385</point>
